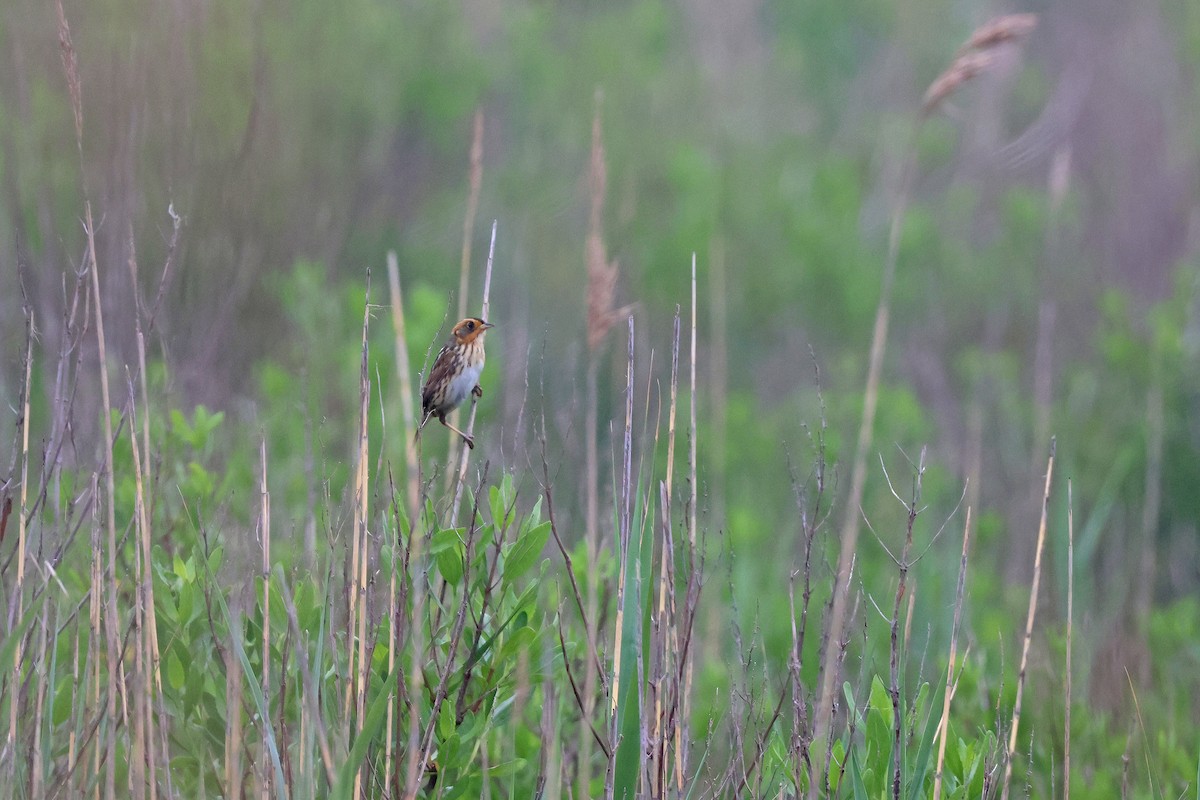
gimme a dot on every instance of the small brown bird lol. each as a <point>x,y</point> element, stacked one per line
<point>455,374</point>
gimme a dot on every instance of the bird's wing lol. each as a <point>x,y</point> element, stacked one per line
<point>439,374</point>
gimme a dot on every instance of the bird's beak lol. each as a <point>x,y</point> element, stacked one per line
<point>487,325</point>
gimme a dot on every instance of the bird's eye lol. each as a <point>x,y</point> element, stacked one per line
<point>470,326</point>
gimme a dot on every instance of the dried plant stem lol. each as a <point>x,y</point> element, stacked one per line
<point>692,426</point>
<point>475,183</point>
<point>858,474</point>
<point>22,514</point>
<point>264,531</point>
<point>903,564</point>
<point>1070,628</point>
<point>112,623</point>
<point>111,616</point>
<point>145,511</point>
<point>145,650</point>
<point>1033,599</point>
<point>407,397</point>
<point>412,480</point>
<point>685,691</point>
<point>666,600</point>
<point>358,604</point>
<point>944,725</point>
<point>591,538</point>
<point>466,454</point>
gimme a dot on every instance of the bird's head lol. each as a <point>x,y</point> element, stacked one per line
<point>470,329</point>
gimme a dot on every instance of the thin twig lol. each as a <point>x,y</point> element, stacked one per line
<point>1033,601</point>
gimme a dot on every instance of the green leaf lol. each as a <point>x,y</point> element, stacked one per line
<point>856,778</point>
<point>445,723</point>
<point>450,564</point>
<point>175,674</point>
<point>447,548</point>
<point>924,751</point>
<point>525,552</point>
<point>519,640</point>
<point>374,722</point>
<point>507,768</point>
<point>501,502</point>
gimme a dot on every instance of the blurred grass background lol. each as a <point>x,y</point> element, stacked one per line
<point>1046,281</point>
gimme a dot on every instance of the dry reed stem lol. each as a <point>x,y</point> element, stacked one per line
<point>693,511</point>
<point>903,564</point>
<point>475,183</point>
<point>1070,628</point>
<point>965,66</point>
<point>602,278</point>
<point>944,724</point>
<point>74,86</point>
<point>358,622</point>
<point>1033,598</point>
<point>95,630</point>
<point>858,476</point>
<point>144,615</point>
<point>145,510</point>
<point>667,590</point>
<point>19,586</point>
<point>1137,708</point>
<point>407,397</point>
<point>36,789</point>
<point>264,531</point>
<point>411,479</point>
<point>466,453</point>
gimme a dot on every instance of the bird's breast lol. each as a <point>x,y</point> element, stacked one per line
<point>464,381</point>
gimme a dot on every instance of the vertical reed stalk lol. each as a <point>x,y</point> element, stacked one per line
<point>95,622</point>
<point>22,514</point>
<point>973,58</point>
<point>264,530</point>
<point>144,700</point>
<point>475,183</point>
<point>944,724</point>
<point>154,693</point>
<point>112,622</point>
<point>903,565</point>
<point>666,597</point>
<point>358,574</point>
<point>407,397</point>
<point>1070,629</point>
<point>858,471</point>
<point>411,480</point>
<point>693,511</point>
<point>1033,601</point>
<point>466,453</point>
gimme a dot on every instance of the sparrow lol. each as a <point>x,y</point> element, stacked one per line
<point>455,374</point>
